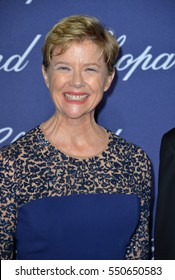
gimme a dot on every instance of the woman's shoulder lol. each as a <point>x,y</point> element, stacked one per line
<point>21,145</point>
<point>128,148</point>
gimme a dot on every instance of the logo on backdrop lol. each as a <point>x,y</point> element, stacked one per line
<point>18,62</point>
<point>145,60</point>
<point>6,133</point>
<point>127,62</point>
<point>28,2</point>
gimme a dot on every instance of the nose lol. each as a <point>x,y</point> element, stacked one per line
<point>77,79</point>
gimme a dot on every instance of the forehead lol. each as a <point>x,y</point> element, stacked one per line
<point>84,50</point>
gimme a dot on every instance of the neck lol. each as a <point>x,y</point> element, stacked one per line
<point>79,137</point>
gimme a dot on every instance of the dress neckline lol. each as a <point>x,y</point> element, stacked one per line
<point>45,143</point>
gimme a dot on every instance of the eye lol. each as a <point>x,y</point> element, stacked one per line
<point>62,68</point>
<point>91,69</point>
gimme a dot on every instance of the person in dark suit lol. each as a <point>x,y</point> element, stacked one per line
<point>165,211</point>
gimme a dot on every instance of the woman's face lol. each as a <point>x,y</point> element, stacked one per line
<point>77,79</point>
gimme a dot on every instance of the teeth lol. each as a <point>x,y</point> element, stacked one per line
<point>75,97</point>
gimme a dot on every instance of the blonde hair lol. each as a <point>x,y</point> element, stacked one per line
<point>80,28</point>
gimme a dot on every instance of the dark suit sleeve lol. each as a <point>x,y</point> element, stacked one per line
<point>165,212</point>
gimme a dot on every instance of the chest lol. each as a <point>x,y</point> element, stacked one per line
<point>93,226</point>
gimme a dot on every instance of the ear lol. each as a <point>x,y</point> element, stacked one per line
<point>109,81</point>
<point>45,75</point>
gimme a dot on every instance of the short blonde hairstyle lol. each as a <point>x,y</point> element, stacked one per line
<point>80,28</point>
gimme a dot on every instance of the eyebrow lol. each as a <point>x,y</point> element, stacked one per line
<point>92,64</point>
<point>61,62</point>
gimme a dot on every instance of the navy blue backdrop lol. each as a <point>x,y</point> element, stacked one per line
<point>141,105</point>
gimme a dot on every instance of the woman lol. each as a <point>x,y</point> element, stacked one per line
<point>72,189</point>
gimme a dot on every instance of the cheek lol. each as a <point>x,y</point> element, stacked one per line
<point>104,82</point>
<point>56,83</point>
<point>97,84</point>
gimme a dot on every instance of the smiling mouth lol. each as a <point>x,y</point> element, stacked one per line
<point>77,97</point>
